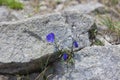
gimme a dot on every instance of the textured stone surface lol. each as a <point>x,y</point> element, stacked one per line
<point>9,15</point>
<point>3,14</point>
<point>101,38</point>
<point>3,77</point>
<point>92,63</point>
<point>86,8</point>
<point>24,40</point>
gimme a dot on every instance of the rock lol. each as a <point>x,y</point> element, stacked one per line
<point>91,63</point>
<point>72,3</point>
<point>15,15</point>
<point>3,14</point>
<point>25,68</point>
<point>43,8</point>
<point>112,38</point>
<point>59,7</point>
<point>85,8</point>
<point>25,40</point>
<point>3,77</point>
<point>99,37</point>
<point>9,15</point>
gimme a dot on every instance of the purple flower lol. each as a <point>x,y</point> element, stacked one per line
<point>65,56</point>
<point>75,44</point>
<point>50,37</point>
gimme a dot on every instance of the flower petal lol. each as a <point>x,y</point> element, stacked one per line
<point>75,44</point>
<point>50,37</point>
<point>65,56</point>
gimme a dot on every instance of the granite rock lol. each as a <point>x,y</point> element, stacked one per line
<point>24,40</point>
<point>3,14</point>
<point>91,63</point>
<point>87,7</point>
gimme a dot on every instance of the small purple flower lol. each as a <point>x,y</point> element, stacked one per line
<point>75,44</point>
<point>50,37</point>
<point>65,56</point>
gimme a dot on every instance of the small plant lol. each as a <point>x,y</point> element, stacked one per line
<point>13,4</point>
<point>109,2</point>
<point>66,54</point>
<point>113,26</point>
<point>58,1</point>
<point>114,2</point>
<point>108,22</point>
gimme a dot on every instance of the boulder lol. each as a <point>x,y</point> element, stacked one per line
<point>25,40</point>
<point>87,7</point>
<point>91,63</point>
<point>3,77</point>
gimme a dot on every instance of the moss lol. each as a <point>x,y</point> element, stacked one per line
<point>13,4</point>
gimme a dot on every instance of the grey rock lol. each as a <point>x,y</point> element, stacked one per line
<point>86,8</point>
<point>3,13</point>
<point>3,77</point>
<point>9,15</point>
<point>24,40</point>
<point>15,15</point>
<point>59,7</point>
<point>91,63</point>
<point>112,37</point>
<point>101,38</point>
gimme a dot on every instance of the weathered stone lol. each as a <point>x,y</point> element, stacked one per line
<point>79,25</point>
<point>86,8</point>
<point>3,77</point>
<point>92,63</point>
<point>10,15</point>
<point>15,15</point>
<point>23,68</point>
<point>99,37</point>
<point>24,40</point>
<point>59,7</point>
<point>112,38</point>
<point>3,14</point>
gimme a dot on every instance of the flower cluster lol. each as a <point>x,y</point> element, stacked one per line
<point>51,39</point>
